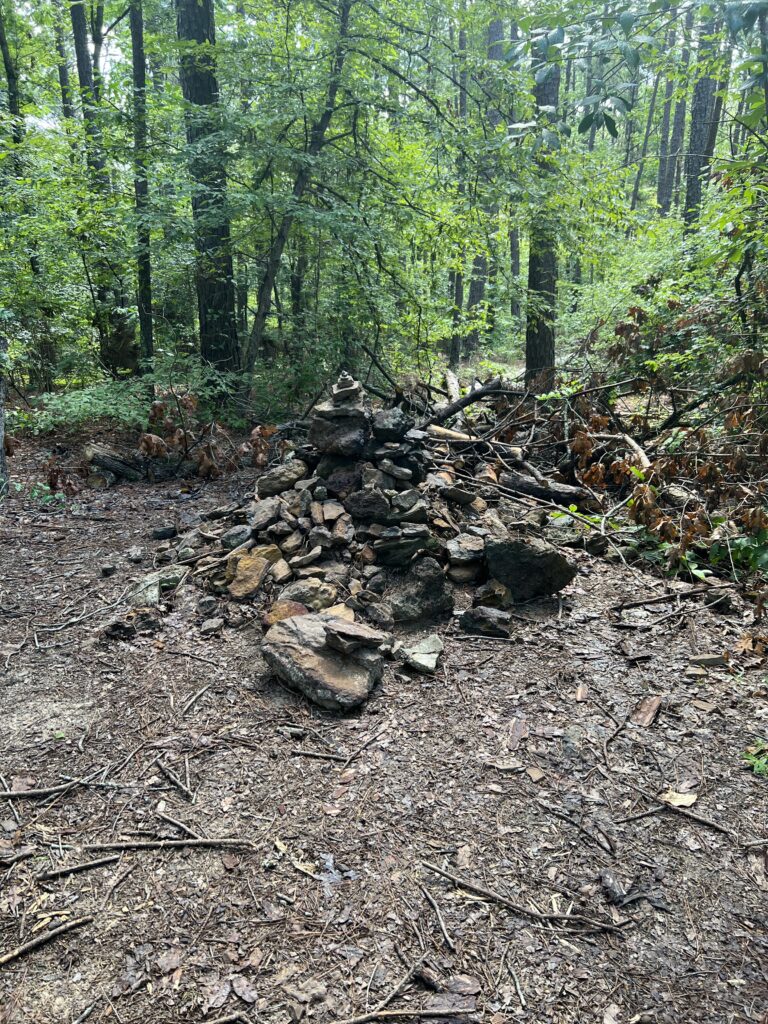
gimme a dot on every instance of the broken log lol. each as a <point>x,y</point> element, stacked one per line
<point>125,466</point>
<point>441,415</point>
<point>549,490</point>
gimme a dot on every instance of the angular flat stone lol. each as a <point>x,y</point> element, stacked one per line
<point>312,592</point>
<point>249,575</point>
<point>264,513</point>
<point>391,424</point>
<point>283,610</point>
<point>464,549</point>
<point>347,636</point>
<point>423,656</point>
<point>297,651</point>
<point>422,593</point>
<point>281,478</point>
<point>485,622</point>
<point>236,536</point>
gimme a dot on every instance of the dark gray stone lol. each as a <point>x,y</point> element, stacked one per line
<point>391,424</point>
<point>369,505</point>
<point>485,621</point>
<point>236,536</point>
<point>281,478</point>
<point>422,593</point>
<point>529,566</point>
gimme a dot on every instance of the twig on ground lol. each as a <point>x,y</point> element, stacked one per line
<point>430,899</point>
<point>41,940</point>
<point>73,869</point>
<point>297,752</point>
<point>378,1009</point>
<point>173,777</point>
<point>518,908</point>
<point>170,844</point>
<point>362,747</point>
<point>673,596</point>
<point>179,824</point>
<point>195,698</point>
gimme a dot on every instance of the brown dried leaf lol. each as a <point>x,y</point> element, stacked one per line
<point>646,711</point>
<point>243,988</point>
<point>674,799</point>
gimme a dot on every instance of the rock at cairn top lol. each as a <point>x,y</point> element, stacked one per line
<point>346,390</point>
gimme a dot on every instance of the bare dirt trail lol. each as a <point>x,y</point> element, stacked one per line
<point>517,768</point>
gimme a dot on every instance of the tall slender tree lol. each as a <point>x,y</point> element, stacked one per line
<point>214,273</point>
<point>141,182</point>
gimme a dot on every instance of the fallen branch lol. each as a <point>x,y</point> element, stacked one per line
<point>518,908</point>
<point>430,899</point>
<point>378,1010</point>
<point>469,399</point>
<point>41,940</point>
<point>549,490</point>
<point>663,598</point>
<point>170,844</point>
<point>73,869</point>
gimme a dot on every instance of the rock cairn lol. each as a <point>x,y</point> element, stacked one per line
<point>363,522</point>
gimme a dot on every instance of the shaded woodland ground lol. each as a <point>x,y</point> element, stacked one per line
<point>527,767</point>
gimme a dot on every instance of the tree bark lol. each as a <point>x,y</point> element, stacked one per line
<point>644,147</point>
<point>542,263</point>
<point>666,187</point>
<point>666,121</point>
<point>302,180</point>
<point>214,272</point>
<point>702,109</point>
<point>3,460</point>
<point>141,183</point>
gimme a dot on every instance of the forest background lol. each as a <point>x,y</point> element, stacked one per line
<point>246,197</point>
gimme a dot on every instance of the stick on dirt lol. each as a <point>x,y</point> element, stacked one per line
<point>430,899</point>
<point>41,940</point>
<point>170,844</point>
<point>518,908</point>
<point>73,869</point>
<point>377,1010</point>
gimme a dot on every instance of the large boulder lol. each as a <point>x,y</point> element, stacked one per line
<point>421,594</point>
<point>281,478</point>
<point>528,566</point>
<point>334,663</point>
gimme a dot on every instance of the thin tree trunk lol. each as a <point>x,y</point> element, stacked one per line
<point>702,109</point>
<point>3,461</point>
<point>542,266</point>
<point>644,148</point>
<point>302,180</point>
<point>62,68</point>
<point>666,187</point>
<point>141,183</point>
<point>666,120</point>
<point>214,272</point>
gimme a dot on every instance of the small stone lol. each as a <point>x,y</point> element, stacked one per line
<point>422,593</point>
<point>265,512</point>
<point>207,605</point>
<point>283,610</point>
<point>464,574</point>
<point>332,510</point>
<point>281,478</point>
<point>423,655</point>
<point>398,472</point>
<point>485,621</point>
<point>299,561</point>
<point>249,575</point>
<point>321,492</point>
<point>164,532</point>
<point>271,552</point>
<point>396,547</point>
<point>341,611</point>
<point>369,505</point>
<point>391,424</point>
<point>211,626</point>
<point>313,593</point>
<point>281,572</point>
<point>464,549</point>
<point>321,537</point>
<point>292,543</point>
<point>108,569</point>
<point>235,537</point>
<point>149,590</point>
<point>135,554</point>
<point>347,636</point>
<point>346,390</point>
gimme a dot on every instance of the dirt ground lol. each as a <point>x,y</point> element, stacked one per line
<point>517,769</point>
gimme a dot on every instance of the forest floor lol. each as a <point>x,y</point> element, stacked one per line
<point>518,768</point>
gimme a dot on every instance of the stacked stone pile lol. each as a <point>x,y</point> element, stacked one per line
<point>365,522</point>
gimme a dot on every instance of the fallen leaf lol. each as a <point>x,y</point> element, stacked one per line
<point>708,660</point>
<point>611,1015</point>
<point>168,962</point>
<point>464,856</point>
<point>534,774</point>
<point>675,799</point>
<point>646,711</point>
<point>216,994</point>
<point>244,988</point>
<point>230,861</point>
<point>582,690</point>
<point>462,984</point>
<point>506,764</point>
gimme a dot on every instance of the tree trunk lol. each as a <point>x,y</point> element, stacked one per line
<point>62,68</point>
<point>3,461</point>
<point>542,263</point>
<point>702,109</point>
<point>141,183</point>
<point>302,180</point>
<point>214,273</point>
<point>667,186</point>
<point>644,148</point>
<point>666,122</point>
